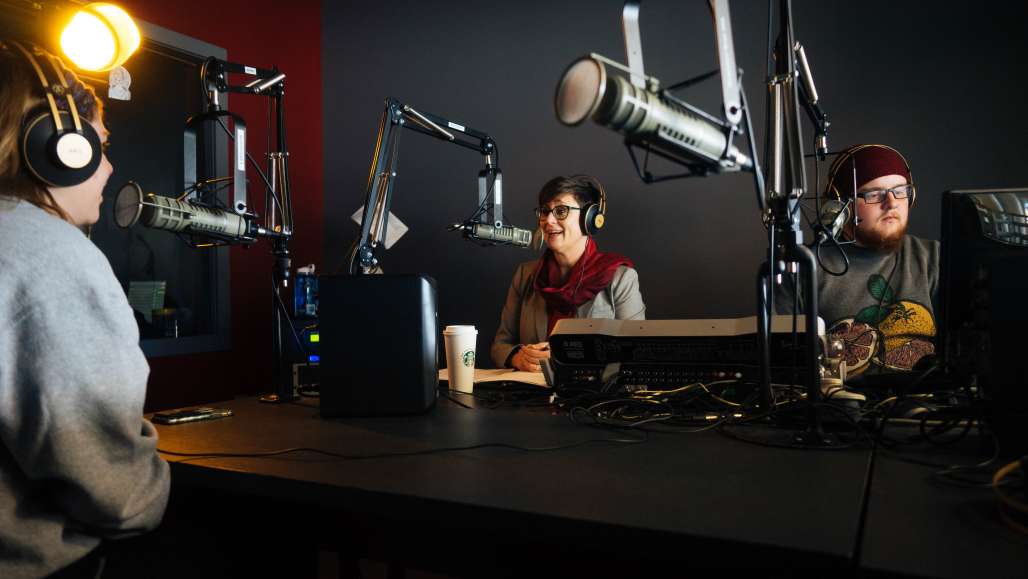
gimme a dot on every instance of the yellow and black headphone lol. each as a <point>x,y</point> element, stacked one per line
<point>594,215</point>
<point>59,147</point>
<point>832,192</point>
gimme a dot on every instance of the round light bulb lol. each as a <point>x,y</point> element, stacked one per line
<point>100,37</point>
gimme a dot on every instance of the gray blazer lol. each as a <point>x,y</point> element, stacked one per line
<point>524,318</point>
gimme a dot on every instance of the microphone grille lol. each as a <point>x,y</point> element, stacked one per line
<point>128,204</point>
<point>580,91</point>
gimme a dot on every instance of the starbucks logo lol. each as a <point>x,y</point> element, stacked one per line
<point>469,358</point>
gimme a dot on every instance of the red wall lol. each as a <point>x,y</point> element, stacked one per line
<point>262,33</point>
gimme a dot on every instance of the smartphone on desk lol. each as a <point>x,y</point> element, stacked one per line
<point>190,415</point>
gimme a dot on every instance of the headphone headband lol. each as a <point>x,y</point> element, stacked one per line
<point>50,88</point>
<point>58,150</point>
<point>832,192</point>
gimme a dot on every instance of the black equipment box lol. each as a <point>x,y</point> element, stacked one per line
<point>378,339</point>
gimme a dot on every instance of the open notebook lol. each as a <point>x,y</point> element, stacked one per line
<point>503,375</point>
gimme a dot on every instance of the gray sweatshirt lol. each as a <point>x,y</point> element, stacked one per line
<point>77,459</point>
<point>883,308</point>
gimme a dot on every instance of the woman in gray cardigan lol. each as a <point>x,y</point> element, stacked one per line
<point>571,279</point>
<point>77,460</point>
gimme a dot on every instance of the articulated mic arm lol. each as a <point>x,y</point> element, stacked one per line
<point>382,175</point>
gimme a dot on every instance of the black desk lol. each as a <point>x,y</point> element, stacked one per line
<point>916,526</point>
<point>691,499</point>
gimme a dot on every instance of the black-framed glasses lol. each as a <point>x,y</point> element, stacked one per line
<point>878,195</point>
<point>559,211</point>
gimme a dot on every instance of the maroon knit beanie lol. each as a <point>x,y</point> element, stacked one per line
<point>869,162</point>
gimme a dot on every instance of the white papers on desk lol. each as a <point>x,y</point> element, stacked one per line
<point>503,375</point>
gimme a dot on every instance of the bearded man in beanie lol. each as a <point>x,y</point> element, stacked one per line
<point>883,306</point>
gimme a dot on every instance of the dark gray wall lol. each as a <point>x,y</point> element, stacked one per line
<point>942,82</point>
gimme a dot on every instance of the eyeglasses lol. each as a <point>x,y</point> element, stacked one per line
<point>878,195</point>
<point>559,211</point>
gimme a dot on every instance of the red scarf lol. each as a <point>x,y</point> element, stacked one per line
<point>588,277</point>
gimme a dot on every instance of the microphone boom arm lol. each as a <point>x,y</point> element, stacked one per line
<point>278,224</point>
<point>382,174</point>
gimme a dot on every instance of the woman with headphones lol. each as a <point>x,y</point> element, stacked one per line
<point>572,279</point>
<point>78,462</point>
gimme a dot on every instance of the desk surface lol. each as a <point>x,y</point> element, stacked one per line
<point>755,502</point>
<point>920,527</point>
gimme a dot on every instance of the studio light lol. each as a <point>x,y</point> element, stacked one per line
<point>99,37</point>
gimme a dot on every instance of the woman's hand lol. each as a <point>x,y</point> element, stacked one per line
<point>528,357</point>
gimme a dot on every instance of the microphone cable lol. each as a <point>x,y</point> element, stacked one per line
<point>817,207</point>
<point>821,262</point>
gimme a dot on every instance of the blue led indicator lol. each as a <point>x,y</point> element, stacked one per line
<point>314,358</point>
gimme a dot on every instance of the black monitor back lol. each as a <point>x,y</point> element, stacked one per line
<point>983,316</point>
<point>378,345</point>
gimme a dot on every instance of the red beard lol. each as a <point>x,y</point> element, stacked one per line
<point>884,242</point>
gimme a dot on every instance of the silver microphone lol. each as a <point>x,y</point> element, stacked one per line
<point>131,206</point>
<point>834,215</point>
<point>642,115</point>
<point>507,234</point>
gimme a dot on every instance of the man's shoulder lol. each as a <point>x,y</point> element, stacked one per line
<point>921,243</point>
<point>925,250</point>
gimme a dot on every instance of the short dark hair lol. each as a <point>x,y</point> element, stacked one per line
<point>584,188</point>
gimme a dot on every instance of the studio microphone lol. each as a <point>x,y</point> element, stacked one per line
<point>506,234</point>
<point>644,116</point>
<point>834,215</point>
<point>132,206</point>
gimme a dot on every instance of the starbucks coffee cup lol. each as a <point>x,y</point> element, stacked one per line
<point>460,357</point>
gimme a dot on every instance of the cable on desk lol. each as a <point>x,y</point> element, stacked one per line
<point>273,453</point>
<point>1008,475</point>
<point>686,408</point>
<point>950,419</point>
<point>959,475</point>
<point>899,398</point>
<point>942,417</point>
<point>861,438</point>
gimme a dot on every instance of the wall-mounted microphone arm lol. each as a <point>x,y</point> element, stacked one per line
<point>818,117</point>
<point>382,175</point>
<point>633,43</point>
<point>730,91</point>
<point>266,80</point>
<point>437,126</point>
<point>278,218</point>
<point>490,179</point>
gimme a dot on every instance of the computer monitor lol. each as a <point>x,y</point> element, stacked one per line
<point>983,315</point>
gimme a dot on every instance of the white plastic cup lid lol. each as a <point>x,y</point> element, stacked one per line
<point>460,330</point>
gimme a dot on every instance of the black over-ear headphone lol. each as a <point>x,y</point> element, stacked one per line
<point>832,192</point>
<point>58,148</point>
<point>594,215</point>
